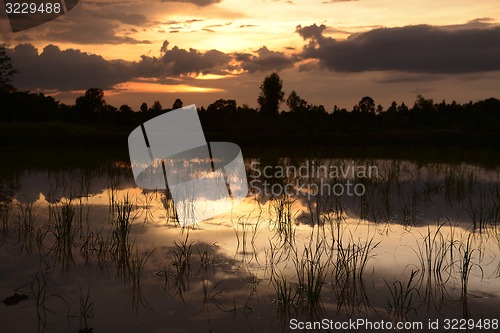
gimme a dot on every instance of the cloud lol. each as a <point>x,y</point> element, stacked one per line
<point>65,70</point>
<point>419,49</point>
<point>101,32</point>
<point>218,25</point>
<point>335,1</point>
<point>264,60</point>
<point>124,17</point>
<point>311,32</point>
<point>178,22</point>
<point>405,77</point>
<point>247,26</point>
<point>179,61</point>
<point>164,47</point>
<point>91,24</point>
<point>199,3</point>
<point>479,23</point>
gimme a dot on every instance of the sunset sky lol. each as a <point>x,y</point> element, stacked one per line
<point>330,52</point>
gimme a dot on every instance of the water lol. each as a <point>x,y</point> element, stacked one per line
<point>90,250</point>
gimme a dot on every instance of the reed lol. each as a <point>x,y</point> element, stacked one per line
<point>286,292</point>
<point>410,209</point>
<point>26,217</point>
<point>121,245</point>
<point>467,251</point>
<point>436,265</point>
<point>458,184</point>
<point>113,181</point>
<point>5,211</point>
<point>349,267</point>
<point>274,256</point>
<point>484,211</point>
<point>241,242</point>
<point>283,222</point>
<point>45,301</point>
<point>181,260</point>
<point>146,204</point>
<point>403,297</point>
<point>137,264</point>
<point>170,209</point>
<point>352,258</point>
<point>86,311</point>
<point>310,268</point>
<point>64,231</point>
<point>433,253</point>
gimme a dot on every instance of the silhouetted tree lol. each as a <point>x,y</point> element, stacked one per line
<point>422,103</point>
<point>393,108</point>
<point>246,110</point>
<point>295,103</point>
<point>125,116</point>
<point>144,107</point>
<point>403,108</point>
<point>423,113</point>
<point>125,108</point>
<point>91,104</point>
<point>177,104</point>
<point>223,106</point>
<point>367,104</point>
<point>109,109</point>
<point>6,70</point>
<point>157,106</point>
<point>389,117</point>
<point>271,94</point>
<point>25,106</point>
<point>318,110</point>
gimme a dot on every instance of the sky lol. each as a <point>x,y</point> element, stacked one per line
<point>330,52</point>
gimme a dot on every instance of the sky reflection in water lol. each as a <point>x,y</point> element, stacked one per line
<point>124,264</point>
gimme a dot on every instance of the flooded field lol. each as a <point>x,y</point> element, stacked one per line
<point>86,250</point>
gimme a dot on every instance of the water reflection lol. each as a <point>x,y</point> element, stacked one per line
<point>94,253</point>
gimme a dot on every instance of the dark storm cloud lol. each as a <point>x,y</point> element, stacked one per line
<point>164,47</point>
<point>75,70</point>
<point>264,60</point>
<point>88,23</point>
<point>91,25</point>
<point>421,49</point>
<point>179,61</point>
<point>101,32</point>
<point>65,70</point>
<point>314,32</point>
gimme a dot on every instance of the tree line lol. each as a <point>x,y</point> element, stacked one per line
<point>225,115</point>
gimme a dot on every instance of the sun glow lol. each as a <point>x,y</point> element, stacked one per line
<point>163,88</point>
